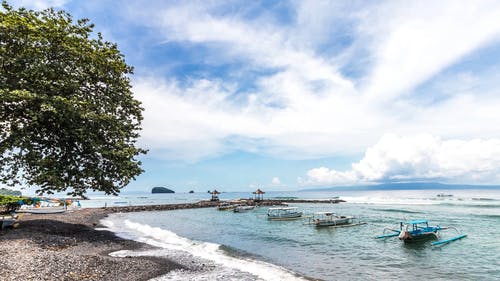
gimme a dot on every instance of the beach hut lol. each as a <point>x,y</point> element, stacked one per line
<point>258,195</point>
<point>215,195</point>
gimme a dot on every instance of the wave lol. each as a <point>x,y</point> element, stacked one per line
<point>466,204</point>
<point>492,216</point>
<point>456,201</point>
<point>166,239</point>
<point>388,201</point>
<point>398,211</point>
<point>484,199</point>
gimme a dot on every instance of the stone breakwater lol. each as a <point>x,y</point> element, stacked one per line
<point>212,204</point>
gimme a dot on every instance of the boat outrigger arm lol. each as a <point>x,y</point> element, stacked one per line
<point>418,228</point>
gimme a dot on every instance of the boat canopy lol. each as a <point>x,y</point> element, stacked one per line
<point>416,222</point>
<point>283,208</point>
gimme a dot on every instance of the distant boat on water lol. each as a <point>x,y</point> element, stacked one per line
<point>321,219</point>
<point>226,207</point>
<point>241,209</point>
<point>420,230</point>
<point>444,195</point>
<point>283,213</point>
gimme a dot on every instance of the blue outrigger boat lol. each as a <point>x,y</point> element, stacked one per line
<point>418,230</point>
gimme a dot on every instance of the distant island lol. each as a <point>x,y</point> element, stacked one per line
<point>160,189</point>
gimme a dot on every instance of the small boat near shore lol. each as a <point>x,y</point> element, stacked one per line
<point>419,230</point>
<point>327,219</point>
<point>226,207</point>
<point>43,210</point>
<point>242,209</point>
<point>283,213</point>
<point>7,221</point>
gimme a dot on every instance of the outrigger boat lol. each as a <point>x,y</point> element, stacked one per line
<point>226,207</point>
<point>419,230</point>
<point>241,209</point>
<point>7,221</point>
<point>283,213</point>
<point>321,219</point>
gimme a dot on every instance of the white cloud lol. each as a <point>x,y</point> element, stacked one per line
<point>414,41</point>
<point>301,106</point>
<point>276,181</point>
<point>420,157</point>
<point>40,4</point>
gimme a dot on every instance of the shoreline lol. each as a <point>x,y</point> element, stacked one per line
<point>68,246</point>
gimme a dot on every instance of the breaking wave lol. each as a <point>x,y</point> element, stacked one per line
<point>216,253</point>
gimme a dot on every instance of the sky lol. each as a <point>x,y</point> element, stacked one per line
<point>287,95</point>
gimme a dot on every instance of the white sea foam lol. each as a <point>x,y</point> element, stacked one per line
<point>457,200</point>
<point>208,251</point>
<point>388,200</point>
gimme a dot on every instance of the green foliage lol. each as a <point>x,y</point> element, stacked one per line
<point>11,203</point>
<point>68,119</point>
<point>7,199</point>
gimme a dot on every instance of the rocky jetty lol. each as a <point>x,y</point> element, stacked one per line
<point>208,204</point>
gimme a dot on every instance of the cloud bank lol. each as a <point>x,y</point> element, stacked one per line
<point>316,79</point>
<point>420,157</point>
<point>300,86</point>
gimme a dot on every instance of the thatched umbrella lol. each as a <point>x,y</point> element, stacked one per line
<point>215,195</point>
<point>258,195</point>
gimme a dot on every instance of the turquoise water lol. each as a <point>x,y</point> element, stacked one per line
<point>349,253</point>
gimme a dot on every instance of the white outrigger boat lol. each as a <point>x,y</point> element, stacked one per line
<point>226,206</point>
<point>322,219</point>
<point>242,209</point>
<point>419,230</point>
<point>42,210</point>
<point>283,213</point>
<point>7,221</point>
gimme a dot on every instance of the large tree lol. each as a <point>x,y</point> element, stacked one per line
<point>68,119</point>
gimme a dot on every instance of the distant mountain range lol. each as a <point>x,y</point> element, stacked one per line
<point>406,185</point>
<point>5,191</point>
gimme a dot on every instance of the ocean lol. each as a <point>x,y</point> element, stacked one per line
<point>247,246</point>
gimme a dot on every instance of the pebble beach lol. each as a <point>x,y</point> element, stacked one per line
<point>68,246</point>
<point>75,246</point>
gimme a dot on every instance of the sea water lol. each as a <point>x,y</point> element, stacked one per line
<point>247,246</point>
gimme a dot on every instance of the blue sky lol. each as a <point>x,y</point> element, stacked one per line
<point>287,95</point>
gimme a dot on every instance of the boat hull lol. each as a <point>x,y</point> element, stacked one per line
<point>407,237</point>
<point>334,222</point>
<point>7,222</point>
<point>43,211</point>
<point>226,208</point>
<point>243,209</point>
<point>289,216</point>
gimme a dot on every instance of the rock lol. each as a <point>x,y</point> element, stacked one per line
<point>160,189</point>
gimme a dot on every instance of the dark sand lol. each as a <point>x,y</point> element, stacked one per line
<point>67,247</point>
